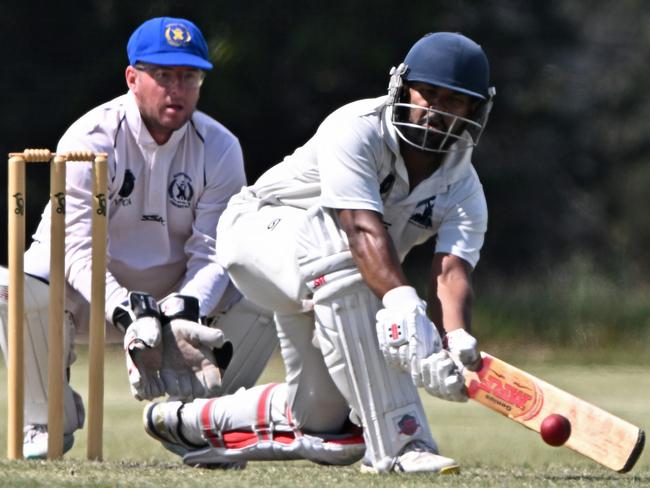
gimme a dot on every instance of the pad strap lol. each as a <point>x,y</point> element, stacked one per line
<point>261,431</point>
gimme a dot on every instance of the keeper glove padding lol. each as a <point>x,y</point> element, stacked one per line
<point>139,317</point>
<point>194,355</point>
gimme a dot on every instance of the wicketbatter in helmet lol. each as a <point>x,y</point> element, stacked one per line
<point>447,62</point>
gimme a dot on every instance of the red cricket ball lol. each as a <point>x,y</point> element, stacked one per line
<point>555,429</point>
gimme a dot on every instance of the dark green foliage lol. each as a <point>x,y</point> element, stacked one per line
<point>563,160</point>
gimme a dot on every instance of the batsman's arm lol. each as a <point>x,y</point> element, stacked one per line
<point>450,293</point>
<point>373,250</point>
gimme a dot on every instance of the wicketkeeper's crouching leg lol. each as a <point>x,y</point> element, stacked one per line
<point>249,425</point>
<point>251,331</point>
<point>35,357</point>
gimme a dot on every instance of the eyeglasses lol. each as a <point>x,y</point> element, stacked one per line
<point>165,77</point>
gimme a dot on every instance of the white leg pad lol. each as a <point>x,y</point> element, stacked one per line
<point>252,333</point>
<point>36,350</point>
<point>315,402</point>
<point>384,399</point>
<point>255,425</point>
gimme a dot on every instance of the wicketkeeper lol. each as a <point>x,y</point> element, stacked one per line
<point>172,170</point>
<point>319,239</point>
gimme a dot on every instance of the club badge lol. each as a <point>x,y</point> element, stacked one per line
<point>180,190</point>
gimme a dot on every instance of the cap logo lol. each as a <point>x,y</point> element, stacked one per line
<point>177,35</point>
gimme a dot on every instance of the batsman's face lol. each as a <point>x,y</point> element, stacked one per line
<point>441,99</point>
<point>166,96</point>
<point>435,107</point>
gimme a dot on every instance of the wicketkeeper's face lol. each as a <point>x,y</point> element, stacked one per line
<point>166,96</point>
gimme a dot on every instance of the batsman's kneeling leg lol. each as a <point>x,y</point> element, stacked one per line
<point>250,425</point>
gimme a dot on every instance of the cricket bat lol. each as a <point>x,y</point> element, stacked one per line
<point>595,433</point>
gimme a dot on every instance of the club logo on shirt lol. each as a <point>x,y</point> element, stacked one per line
<point>423,211</point>
<point>180,190</point>
<point>128,184</point>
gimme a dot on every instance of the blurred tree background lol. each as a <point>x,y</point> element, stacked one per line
<point>564,161</point>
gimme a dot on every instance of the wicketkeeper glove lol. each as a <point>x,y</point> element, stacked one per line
<point>404,331</point>
<point>194,355</point>
<point>138,317</point>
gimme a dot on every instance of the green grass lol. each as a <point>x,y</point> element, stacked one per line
<point>493,451</point>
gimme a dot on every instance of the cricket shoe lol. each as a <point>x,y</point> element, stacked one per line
<point>35,441</point>
<point>417,457</point>
<point>163,421</point>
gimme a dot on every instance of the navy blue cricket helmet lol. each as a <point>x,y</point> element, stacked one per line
<point>449,60</point>
<point>452,61</point>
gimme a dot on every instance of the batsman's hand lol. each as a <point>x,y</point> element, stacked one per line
<point>139,317</point>
<point>194,356</point>
<point>463,348</point>
<point>404,332</point>
<point>439,375</point>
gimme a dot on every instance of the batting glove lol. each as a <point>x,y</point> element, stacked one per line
<point>463,347</point>
<point>139,318</point>
<point>194,355</point>
<point>404,332</point>
<point>439,375</point>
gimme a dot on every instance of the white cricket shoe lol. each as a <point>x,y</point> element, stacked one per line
<point>162,421</point>
<point>35,442</point>
<point>417,457</point>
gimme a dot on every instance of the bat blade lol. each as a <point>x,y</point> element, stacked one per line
<point>520,396</point>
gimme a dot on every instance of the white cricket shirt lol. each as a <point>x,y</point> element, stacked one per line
<point>353,162</point>
<point>164,204</point>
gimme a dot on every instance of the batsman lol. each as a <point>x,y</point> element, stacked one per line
<point>319,239</point>
<point>172,170</point>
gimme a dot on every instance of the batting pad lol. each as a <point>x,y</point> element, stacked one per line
<point>383,399</point>
<point>256,425</point>
<point>252,333</point>
<point>36,298</point>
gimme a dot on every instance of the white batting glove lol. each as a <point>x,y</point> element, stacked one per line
<point>439,375</point>
<point>139,318</point>
<point>463,347</point>
<point>194,355</point>
<point>404,332</point>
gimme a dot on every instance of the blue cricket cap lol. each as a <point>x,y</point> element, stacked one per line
<point>167,41</point>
